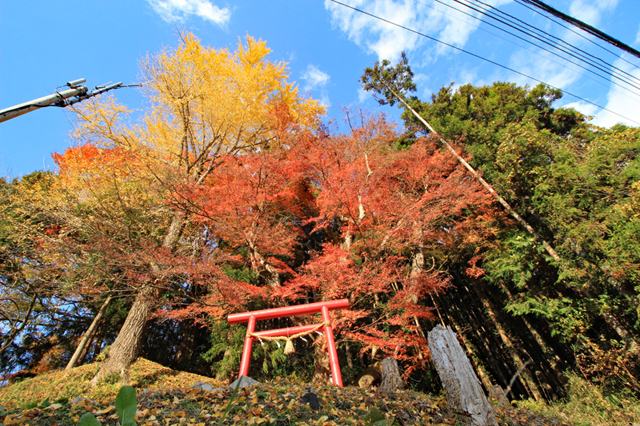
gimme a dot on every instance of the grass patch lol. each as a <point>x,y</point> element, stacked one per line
<point>74,383</point>
<point>586,405</point>
<point>167,397</point>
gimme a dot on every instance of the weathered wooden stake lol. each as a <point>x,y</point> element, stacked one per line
<point>464,392</point>
<point>391,380</point>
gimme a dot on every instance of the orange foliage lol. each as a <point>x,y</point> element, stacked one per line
<point>339,216</point>
<point>90,165</point>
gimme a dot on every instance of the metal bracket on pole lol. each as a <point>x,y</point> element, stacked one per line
<point>61,98</point>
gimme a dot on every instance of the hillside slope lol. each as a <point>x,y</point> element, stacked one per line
<point>167,396</point>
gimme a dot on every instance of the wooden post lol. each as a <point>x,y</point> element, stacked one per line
<point>465,395</point>
<point>391,379</point>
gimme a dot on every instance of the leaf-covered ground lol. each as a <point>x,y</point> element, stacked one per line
<point>167,397</point>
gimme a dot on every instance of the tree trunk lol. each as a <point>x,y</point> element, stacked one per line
<point>512,351</point>
<point>81,349</point>
<point>124,350</point>
<point>321,366</point>
<point>465,395</point>
<point>224,374</point>
<point>369,377</point>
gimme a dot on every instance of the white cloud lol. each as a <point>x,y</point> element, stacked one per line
<point>179,10</point>
<point>589,110</point>
<point>423,82</point>
<point>638,36</point>
<point>387,41</point>
<point>544,68</point>
<point>563,75</point>
<point>621,102</point>
<point>590,11</point>
<point>363,95</point>
<point>621,106</point>
<point>315,79</point>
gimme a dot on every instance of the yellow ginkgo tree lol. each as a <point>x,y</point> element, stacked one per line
<point>205,105</point>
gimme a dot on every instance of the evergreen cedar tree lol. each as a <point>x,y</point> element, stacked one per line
<point>577,185</point>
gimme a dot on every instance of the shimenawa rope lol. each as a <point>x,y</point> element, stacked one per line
<point>288,347</point>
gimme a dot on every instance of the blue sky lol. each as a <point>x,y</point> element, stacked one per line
<point>44,44</point>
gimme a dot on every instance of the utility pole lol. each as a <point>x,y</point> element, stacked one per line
<point>75,93</point>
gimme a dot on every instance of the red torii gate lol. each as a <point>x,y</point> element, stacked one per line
<point>290,332</point>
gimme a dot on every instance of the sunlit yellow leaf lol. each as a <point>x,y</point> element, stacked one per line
<point>105,410</point>
<point>9,420</point>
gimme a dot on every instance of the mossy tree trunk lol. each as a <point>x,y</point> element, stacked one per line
<point>124,349</point>
<point>321,365</point>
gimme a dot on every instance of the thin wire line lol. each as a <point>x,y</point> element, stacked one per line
<point>531,43</point>
<point>635,93</point>
<point>613,83</point>
<point>553,53</point>
<point>479,57</point>
<point>521,46</point>
<point>545,34</point>
<point>521,3</point>
<point>584,27</point>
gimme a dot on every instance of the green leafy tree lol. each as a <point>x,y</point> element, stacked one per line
<point>574,184</point>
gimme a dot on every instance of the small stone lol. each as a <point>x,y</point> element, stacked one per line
<point>311,399</point>
<point>244,381</point>
<point>203,386</point>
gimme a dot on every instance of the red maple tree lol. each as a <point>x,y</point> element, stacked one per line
<point>347,215</point>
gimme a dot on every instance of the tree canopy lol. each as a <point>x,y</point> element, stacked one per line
<point>230,194</point>
<point>570,181</point>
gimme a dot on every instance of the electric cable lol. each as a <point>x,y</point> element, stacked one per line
<point>547,50</point>
<point>523,4</point>
<point>453,16</point>
<point>544,34</point>
<point>605,71</point>
<point>479,57</point>
<point>584,26</point>
<point>551,36</point>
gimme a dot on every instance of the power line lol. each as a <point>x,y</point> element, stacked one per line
<point>521,3</point>
<point>579,52</point>
<point>584,26</point>
<point>607,72</point>
<point>516,36</point>
<point>479,57</point>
